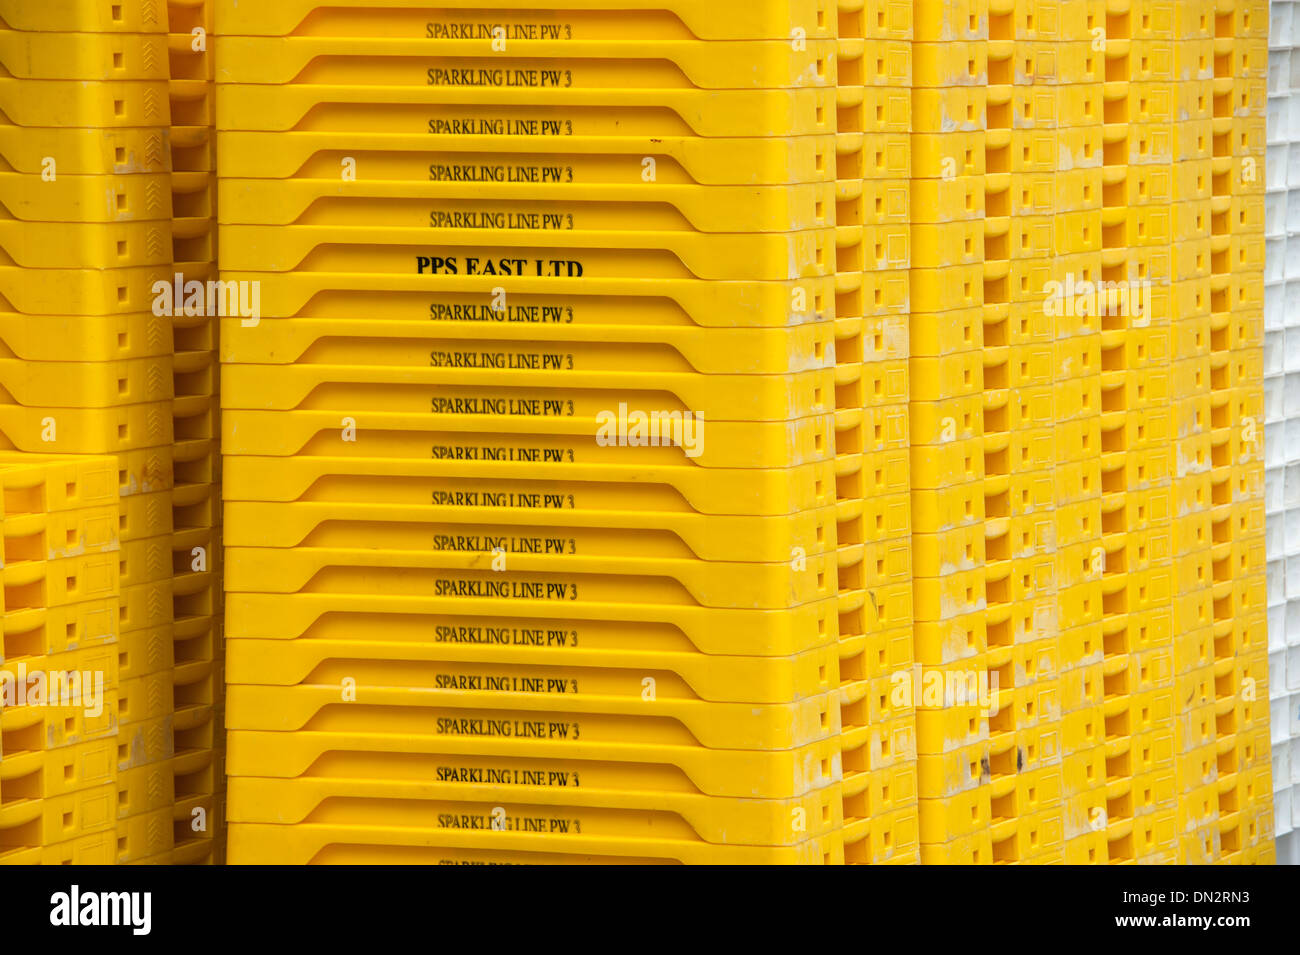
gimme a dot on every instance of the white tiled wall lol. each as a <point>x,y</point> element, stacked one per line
<point>1282,403</point>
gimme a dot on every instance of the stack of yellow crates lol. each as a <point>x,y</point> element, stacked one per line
<point>1030,437</point>
<point>947,430</point>
<point>196,503</point>
<point>1073,325</point>
<point>779,431</point>
<point>1136,454</point>
<point>1244,776</point>
<point>1085,465</point>
<point>86,364</point>
<point>1179,98</point>
<point>873,519</point>
<point>59,668</point>
<point>532,493</point>
<point>955,553</point>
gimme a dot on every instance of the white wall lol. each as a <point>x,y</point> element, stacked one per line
<point>1282,403</point>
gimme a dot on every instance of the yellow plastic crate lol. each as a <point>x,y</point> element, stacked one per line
<point>573,721</point>
<point>739,491</point>
<point>483,159</point>
<point>592,794</point>
<point>83,56</point>
<point>523,393</point>
<point>84,104</point>
<point>145,838</point>
<point>734,304</point>
<point>676,675</point>
<point>589,255</point>
<point>104,338</point>
<point>651,19</point>
<point>38,728</point>
<point>533,64</point>
<point>532,113</point>
<point>132,16</point>
<point>85,385</point>
<point>320,844</point>
<point>43,211</point>
<point>749,774</point>
<point>533,197</point>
